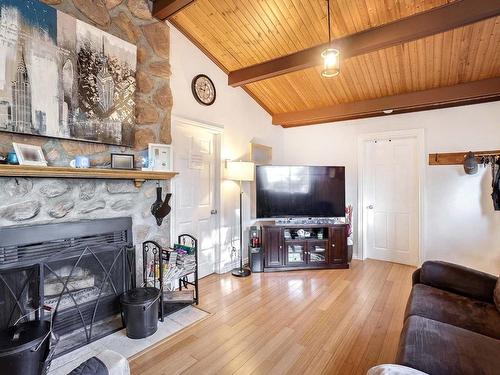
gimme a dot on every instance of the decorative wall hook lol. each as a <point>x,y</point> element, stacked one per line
<point>161,208</point>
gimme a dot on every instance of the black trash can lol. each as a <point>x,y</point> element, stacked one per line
<point>24,348</point>
<point>140,310</point>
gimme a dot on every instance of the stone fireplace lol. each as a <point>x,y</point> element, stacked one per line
<point>73,245</point>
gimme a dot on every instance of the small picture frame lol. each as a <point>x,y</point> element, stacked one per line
<point>29,155</point>
<point>160,157</point>
<point>122,161</point>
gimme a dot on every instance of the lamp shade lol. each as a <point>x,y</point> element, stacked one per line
<point>240,171</point>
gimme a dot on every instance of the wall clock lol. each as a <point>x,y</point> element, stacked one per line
<point>203,89</point>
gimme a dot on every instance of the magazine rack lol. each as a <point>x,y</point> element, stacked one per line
<point>163,267</point>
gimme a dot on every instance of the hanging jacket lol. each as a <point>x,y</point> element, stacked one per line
<point>496,184</point>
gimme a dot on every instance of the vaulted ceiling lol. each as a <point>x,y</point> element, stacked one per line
<point>397,54</point>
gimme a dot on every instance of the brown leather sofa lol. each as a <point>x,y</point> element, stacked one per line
<point>452,325</point>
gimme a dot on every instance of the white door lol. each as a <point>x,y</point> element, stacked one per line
<point>195,190</point>
<point>391,200</point>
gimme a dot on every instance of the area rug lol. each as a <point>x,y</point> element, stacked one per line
<point>120,343</point>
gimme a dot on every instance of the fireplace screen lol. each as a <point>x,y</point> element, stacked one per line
<point>78,269</point>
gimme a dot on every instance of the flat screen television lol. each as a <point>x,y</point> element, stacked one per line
<point>300,191</point>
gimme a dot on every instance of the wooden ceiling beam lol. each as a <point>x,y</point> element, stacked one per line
<point>466,93</point>
<point>164,9</point>
<point>431,22</point>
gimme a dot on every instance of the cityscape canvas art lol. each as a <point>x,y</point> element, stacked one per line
<point>60,77</point>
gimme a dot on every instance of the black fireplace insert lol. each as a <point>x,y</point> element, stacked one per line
<point>79,269</point>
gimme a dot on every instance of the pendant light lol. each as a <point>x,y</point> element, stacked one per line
<point>331,56</point>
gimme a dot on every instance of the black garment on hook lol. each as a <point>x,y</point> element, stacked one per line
<point>496,184</point>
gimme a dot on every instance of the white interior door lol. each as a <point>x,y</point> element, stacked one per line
<point>195,190</point>
<point>391,200</point>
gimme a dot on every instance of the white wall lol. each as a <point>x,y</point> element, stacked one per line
<point>460,224</point>
<point>234,110</point>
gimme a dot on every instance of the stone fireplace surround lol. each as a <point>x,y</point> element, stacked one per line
<point>37,201</point>
<point>32,201</point>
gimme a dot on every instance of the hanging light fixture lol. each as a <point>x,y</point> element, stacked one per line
<point>331,56</point>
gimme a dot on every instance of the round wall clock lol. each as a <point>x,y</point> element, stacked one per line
<point>203,89</point>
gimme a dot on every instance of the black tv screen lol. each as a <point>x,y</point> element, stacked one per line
<point>292,191</point>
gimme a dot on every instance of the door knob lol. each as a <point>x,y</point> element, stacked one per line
<point>213,212</point>
<point>370,207</point>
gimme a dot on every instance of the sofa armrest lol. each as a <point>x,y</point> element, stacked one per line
<point>415,277</point>
<point>459,280</point>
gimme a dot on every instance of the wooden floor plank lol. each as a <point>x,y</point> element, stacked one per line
<point>302,322</point>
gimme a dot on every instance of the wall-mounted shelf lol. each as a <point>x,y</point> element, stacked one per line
<point>457,158</point>
<point>139,177</point>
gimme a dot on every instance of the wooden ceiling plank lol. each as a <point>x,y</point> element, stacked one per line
<point>333,88</point>
<point>489,54</point>
<point>257,16</point>
<point>214,35</point>
<point>465,52</point>
<point>164,9</point>
<point>290,24</point>
<point>349,85</point>
<point>483,58</point>
<point>437,45</point>
<point>495,66</point>
<point>422,58</point>
<point>309,24</point>
<point>455,55</point>
<point>465,93</point>
<point>230,26</point>
<point>381,64</point>
<point>270,9</point>
<point>411,28</point>
<point>446,56</point>
<point>428,59</point>
<point>405,67</point>
<point>301,27</point>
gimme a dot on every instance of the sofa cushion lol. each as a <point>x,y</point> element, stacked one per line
<point>439,348</point>
<point>496,294</point>
<point>446,307</point>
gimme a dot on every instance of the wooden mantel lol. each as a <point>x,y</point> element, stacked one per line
<point>139,177</point>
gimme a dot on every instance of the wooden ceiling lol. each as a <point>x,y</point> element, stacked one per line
<point>241,34</point>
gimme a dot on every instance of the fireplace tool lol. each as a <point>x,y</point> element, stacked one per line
<point>161,208</point>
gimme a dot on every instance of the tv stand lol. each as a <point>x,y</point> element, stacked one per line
<point>290,247</point>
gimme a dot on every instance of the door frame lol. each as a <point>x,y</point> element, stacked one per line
<point>419,135</point>
<point>218,132</point>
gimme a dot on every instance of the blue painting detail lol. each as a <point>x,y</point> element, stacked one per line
<point>36,14</point>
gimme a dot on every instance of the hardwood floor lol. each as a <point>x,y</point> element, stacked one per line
<point>302,322</point>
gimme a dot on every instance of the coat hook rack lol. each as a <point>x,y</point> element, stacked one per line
<point>457,158</point>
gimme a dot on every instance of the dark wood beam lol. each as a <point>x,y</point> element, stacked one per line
<point>434,21</point>
<point>164,9</point>
<point>466,93</point>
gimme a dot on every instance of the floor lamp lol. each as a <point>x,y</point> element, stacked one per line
<point>240,171</point>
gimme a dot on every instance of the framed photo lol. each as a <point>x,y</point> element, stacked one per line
<point>29,155</point>
<point>160,157</point>
<point>261,154</point>
<point>122,161</point>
